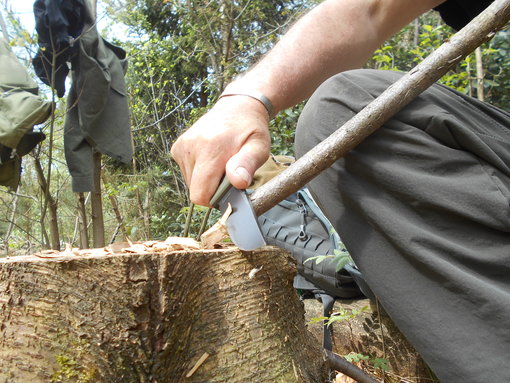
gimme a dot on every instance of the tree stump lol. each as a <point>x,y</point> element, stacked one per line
<point>219,315</point>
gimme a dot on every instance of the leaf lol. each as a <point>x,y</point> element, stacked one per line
<point>340,252</point>
<point>318,259</point>
<point>356,357</point>
<point>318,319</point>
<point>341,261</point>
<point>381,363</point>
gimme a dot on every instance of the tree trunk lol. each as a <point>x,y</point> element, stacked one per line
<point>12,220</point>
<point>416,34</point>
<point>52,206</point>
<point>97,205</point>
<point>118,214</point>
<point>479,75</point>
<point>82,221</point>
<point>4,28</point>
<point>157,317</point>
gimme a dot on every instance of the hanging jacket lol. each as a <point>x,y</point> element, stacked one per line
<point>97,118</point>
<point>21,108</point>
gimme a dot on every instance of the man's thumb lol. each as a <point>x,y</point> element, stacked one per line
<point>242,166</point>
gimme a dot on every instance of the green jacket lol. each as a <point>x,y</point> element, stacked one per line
<point>21,108</point>
<point>98,114</point>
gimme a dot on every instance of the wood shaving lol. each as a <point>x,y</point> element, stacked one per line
<point>254,271</point>
<point>48,254</point>
<point>218,232</point>
<point>72,251</point>
<point>135,248</point>
<point>129,247</point>
<point>200,361</point>
<point>182,243</point>
<point>170,244</point>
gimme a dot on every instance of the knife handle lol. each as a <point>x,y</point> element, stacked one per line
<point>223,188</point>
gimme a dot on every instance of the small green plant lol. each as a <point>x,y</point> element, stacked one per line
<point>378,363</point>
<point>340,257</point>
<point>342,315</point>
<point>353,357</point>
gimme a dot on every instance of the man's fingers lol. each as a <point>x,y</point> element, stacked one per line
<point>204,182</point>
<point>242,166</point>
<point>185,162</point>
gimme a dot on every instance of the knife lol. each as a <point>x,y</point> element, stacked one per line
<point>242,224</point>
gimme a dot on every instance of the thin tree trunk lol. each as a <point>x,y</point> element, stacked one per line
<point>416,35</point>
<point>143,207</point>
<point>186,316</point>
<point>52,206</point>
<point>226,39</point>
<point>118,215</point>
<point>97,205</point>
<point>479,75</point>
<point>146,214</point>
<point>82,221</point>
<point>470,86</point>
<point>11,220</point>
<point>4,28</point>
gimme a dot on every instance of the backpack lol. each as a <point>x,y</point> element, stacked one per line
<point>298,225</point>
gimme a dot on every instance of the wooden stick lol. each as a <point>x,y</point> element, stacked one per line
<point>374,115</point>
<point>337,363</point>
<point>199,362</point>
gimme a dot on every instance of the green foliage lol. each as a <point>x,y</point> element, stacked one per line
<point>340,316</point>
<point>356,357</point>
<point>181,56</point>
<point>497,76</point>
<point>416,41</point>
<point>344,315</point>
<point>174,224</point>
<point>282,130</point>
<point>378,363</point>
<point>340,257</point>
<point>348,315</point>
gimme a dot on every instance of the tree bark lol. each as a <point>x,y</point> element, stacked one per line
<point>152,317</point>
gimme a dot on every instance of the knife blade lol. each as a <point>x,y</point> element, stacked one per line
<point>242,224</point>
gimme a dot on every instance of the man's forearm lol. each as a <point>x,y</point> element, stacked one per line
<point>233,136</point>
<point>337,35</point>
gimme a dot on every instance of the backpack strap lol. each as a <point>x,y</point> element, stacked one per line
<point>327,306</point>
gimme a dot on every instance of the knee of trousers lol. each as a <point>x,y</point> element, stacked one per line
<point>336,101</point>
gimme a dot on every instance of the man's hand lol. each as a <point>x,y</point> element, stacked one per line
<point>232,137</point>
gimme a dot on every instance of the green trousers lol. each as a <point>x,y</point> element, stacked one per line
<point>422,205</point>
